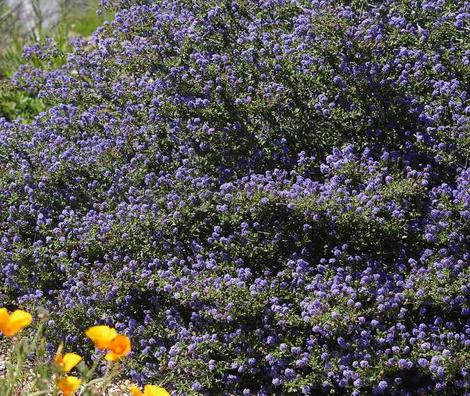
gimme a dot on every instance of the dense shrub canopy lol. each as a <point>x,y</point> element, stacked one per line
<point>268,196</point>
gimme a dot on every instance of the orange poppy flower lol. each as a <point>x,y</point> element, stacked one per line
<point>68,385</point>
<point>67,362</point>
<point>118,348</point>
<point>102,336</point>
<point>149,390</point>
<point>10,325</point>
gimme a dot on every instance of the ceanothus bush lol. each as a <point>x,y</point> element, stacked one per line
<point>268,197</point>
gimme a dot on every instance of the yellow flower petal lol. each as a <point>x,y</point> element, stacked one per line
<point>153,390</point>
<point>12,324</point>
<point>136,391</point>
<point>4,319</point>
<point>21,318</point>
<point>68,361</point>
<point>112,357</point>
<point>149,390</point>
<point>101,336</point>
<point>68,385</point>
<point>118,348</point>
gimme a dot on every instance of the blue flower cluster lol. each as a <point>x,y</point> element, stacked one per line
<point>268,197</point>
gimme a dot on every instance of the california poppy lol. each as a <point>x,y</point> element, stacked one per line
<point>149,390</point>
<point>67,362</point>
<point>102,336</point>
<point>118,348</point>
<point>10,325</point>
<point>68,385</point>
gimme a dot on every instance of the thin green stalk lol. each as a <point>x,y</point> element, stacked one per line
<point>45,392</point>
<point>104,379</point>
<point>19,363</point>
<point>90,372</point>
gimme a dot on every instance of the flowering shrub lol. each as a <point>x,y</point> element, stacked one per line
<point>270,196</point>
